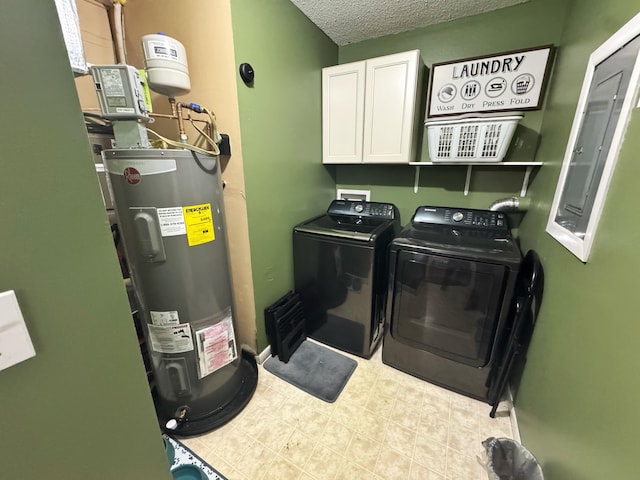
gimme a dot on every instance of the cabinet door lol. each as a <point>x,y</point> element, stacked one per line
<point>342,113</point>
<point>390,107</point>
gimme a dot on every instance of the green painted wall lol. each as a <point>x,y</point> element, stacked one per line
<point>578,398</point>
<point>280,118</point>
<point>578,402</point>
<point>81,408</point>
<point>502,30</point>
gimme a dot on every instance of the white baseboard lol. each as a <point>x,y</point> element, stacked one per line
<point>512,416</point>
<point>264,355</point>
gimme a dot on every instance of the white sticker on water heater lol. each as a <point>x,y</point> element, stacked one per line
<point>171,221</point>
<point>164,318</point>
<point>216,346</point>
<point>171,338</point>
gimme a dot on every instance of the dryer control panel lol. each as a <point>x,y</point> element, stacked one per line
<point>464,217</point>
<point>362,212</point>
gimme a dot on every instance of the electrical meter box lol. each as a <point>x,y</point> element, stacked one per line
<point>121,91</point>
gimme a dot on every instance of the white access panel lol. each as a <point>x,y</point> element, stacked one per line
<point>390,107</point>
<point>15,343</point>
<point>342,113</point>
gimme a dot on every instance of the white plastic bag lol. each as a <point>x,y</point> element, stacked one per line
<point>509,460</point>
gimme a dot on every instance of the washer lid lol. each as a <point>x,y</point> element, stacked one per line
<point>474,243</point>
<point>333,227</point>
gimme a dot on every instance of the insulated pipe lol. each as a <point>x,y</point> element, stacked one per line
<point>118,22</point>
<point>510,204</point>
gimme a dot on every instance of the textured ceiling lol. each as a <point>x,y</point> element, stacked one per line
<point>351,21</point>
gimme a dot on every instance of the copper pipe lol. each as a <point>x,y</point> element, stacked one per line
<point>161,115</point>
<point>174,117</point>
<point>176,114</point>
<point>183,135</point>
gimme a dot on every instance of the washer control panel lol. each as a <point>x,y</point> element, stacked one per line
<point>375,211</point>
<point>464,217</point>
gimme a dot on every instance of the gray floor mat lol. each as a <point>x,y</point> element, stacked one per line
<point>317,370</point>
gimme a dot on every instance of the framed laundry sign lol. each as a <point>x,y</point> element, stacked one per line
<point>501,82</point>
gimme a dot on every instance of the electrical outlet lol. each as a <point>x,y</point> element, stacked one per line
<point>15,343</point>
<point>348,194</point>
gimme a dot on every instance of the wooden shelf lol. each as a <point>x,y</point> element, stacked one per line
<point>529,166</point>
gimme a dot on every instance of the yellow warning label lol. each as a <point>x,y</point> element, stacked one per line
<point>198,221</point>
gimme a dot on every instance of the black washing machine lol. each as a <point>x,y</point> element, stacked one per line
<point>340,273</point>
<point>451,281</point>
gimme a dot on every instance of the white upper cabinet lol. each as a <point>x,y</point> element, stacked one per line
<point>342,113</point>
<point>369,110</point>
<point>390,107</point>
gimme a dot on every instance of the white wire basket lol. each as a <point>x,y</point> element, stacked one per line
<point>470,139</point>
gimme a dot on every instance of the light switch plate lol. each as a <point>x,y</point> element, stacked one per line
<point>15,343</point>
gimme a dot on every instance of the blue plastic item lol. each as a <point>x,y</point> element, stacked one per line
<point>188,472</point>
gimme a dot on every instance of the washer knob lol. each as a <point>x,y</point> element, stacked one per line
<point>457,217</point>
<point>358,207</point>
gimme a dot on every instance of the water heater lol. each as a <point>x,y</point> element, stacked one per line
<point>169,205</point>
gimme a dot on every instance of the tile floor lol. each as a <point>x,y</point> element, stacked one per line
<point>384,425</point>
